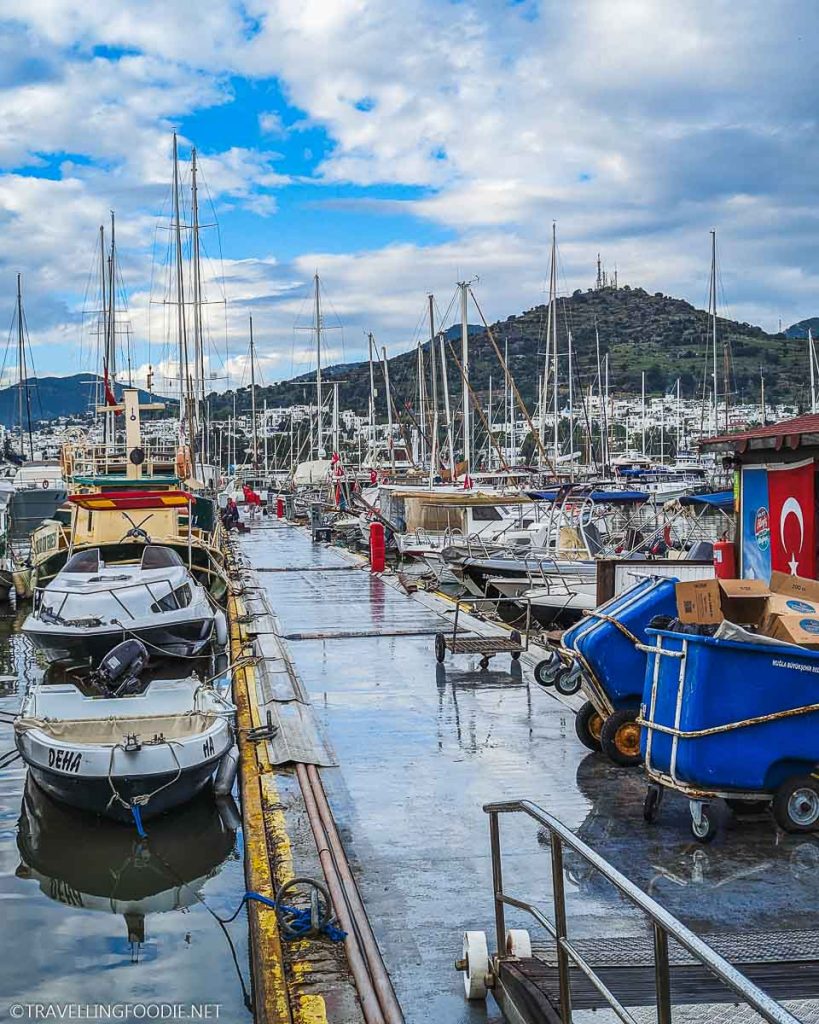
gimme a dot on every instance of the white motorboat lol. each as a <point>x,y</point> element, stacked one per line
<point>89,607</point>
<point>130,749</point>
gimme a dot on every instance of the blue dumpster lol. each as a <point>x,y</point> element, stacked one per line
<point>610,666</point>
<point>617,665</point>
<point>717,697</point>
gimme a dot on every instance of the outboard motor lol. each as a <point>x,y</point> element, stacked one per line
<point>119,671</point>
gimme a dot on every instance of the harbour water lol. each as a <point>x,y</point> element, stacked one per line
<point>92,915</point>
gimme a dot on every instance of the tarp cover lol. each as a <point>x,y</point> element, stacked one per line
<point>110,731</point>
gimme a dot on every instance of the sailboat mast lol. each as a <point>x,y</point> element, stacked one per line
<point>447,410</point>
<point>253,421</point>
<point>465,372</point>
<point>433,457</point>
<point>571,410</point>
<point>422,411</point>
<point>318,364</point>
<point>553,317</point>
<point>372,394</point>
<point>390,440</point>
<point>184,372</point>
<point>198,333</point>
<point>812,358</point>
<point>512,440</point>
<point>21,367</point>
<point>712,309</point>
<point>111,339</point>
<point>103,399</point>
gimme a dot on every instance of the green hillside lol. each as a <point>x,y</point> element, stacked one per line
<point>662,336</point>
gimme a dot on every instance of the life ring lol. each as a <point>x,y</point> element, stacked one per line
<point>45,485</point>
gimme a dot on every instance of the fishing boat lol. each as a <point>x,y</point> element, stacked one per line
<point>121,516</point>
<point>122,746</point>
<point>90,606</point>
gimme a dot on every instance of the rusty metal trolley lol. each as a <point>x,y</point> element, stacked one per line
<point>487,646</point>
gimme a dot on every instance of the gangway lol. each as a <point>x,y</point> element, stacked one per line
<point>668,968</point>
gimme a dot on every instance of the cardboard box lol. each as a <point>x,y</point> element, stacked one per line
<point>708,602</point>
<point>797,629</point>
<point>790,595</point>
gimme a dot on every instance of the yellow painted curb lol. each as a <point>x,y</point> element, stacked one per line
<point>275,996</point>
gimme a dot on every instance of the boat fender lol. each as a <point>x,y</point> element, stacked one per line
<point>226,772</point>
<point>228,813</point>
<point>220,628</point>
<point>45,485</point>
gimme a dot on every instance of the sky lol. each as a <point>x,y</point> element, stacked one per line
<point>395,149</point>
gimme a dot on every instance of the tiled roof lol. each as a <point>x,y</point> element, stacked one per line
<point>786,432</point>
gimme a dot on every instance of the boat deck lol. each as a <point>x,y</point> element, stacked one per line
<point>421,747</point>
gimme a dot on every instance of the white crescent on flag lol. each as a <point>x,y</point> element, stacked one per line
<point>792,507</point>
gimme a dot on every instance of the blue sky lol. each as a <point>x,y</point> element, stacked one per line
<point>399,154</point>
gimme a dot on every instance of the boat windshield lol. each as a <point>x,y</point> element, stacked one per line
<point>84,561</point>
<point>157,557</point>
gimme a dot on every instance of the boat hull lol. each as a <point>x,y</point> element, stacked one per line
<point>172,640</point>
<point>95,795</point>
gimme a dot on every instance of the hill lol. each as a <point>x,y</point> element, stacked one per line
<point>53,397</point>
<point>801,329</point>
<point>653,333</point>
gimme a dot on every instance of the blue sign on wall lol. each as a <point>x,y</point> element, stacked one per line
<point>756,527</point>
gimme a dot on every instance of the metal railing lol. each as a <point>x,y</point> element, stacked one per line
<point>663,925</point>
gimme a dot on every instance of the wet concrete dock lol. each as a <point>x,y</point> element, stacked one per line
<point>421,748</point>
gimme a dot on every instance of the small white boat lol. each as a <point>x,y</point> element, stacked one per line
<point>152,749</point>
<point>90,607</point>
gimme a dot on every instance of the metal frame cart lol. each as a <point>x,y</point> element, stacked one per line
<point>795,801</point>
<point>487,646</point>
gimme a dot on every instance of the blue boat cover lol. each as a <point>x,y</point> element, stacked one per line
<point>602,497</point>
<point>718,499</point>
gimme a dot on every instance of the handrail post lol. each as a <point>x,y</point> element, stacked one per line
<point>497,884</point>
<point>559,894</point>
<point>662,980</point>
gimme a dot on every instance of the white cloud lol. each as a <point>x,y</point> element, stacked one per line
<point>637,125</point>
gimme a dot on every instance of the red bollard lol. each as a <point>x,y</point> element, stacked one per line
<point>377,548</point>
<point>280,508</point>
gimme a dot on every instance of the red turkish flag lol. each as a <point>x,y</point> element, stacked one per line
<point>793,528</point>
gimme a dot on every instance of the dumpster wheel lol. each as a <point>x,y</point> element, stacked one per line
<point>587,725</point>
<point>796,804</point>
<point>620,738</point>
<point>440,647</point>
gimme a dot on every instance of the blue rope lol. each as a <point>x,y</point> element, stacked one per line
<point>137,813</point>
<point>299,923</point>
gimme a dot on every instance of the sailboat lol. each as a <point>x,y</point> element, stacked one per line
<point>38,485</point>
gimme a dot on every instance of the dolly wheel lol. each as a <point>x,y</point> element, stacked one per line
<point>515,637</point>
<point>651,804</point>
<point>569,680</point>
<point>796,804</point>
<point>440,647</point>
<point>519,943</point>
<point>620,738</point>
<point>587,725</point>
<point>475,964</point>
<point>703,828</point>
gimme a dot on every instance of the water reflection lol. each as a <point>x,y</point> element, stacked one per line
<point>62,872</point>
<point>95,864</point>
<point>761,875</point>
